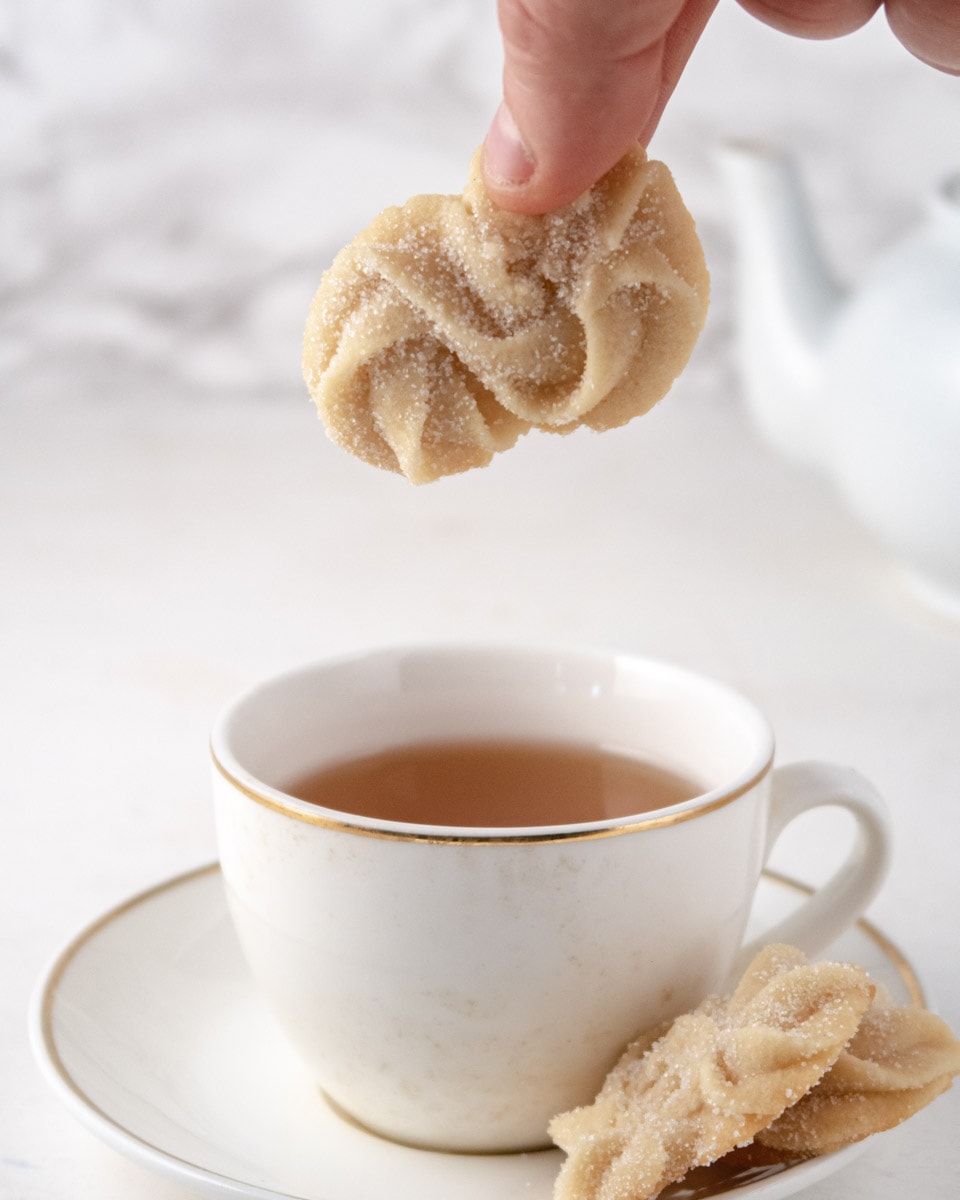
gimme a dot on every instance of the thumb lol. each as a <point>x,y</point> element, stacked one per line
<point>582,81</point>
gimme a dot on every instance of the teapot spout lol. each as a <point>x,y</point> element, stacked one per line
<point>787,301</point>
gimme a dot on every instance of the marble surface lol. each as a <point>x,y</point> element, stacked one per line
<point>174,524</point>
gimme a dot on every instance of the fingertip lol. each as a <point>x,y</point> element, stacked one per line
<point>507,163</point>
<point>510,173</point>
<point>519,182</point>
<point>814,19</point>
<point>540,195</point>
<point>930,31</point>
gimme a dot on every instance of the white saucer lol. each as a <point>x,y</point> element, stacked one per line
<point>148,1028</point>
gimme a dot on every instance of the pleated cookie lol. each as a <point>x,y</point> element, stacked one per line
<point>713,1079</point>
<point>449,327</point>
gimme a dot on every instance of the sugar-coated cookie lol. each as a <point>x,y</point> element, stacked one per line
<point>449,327</point>
<point>713,1079</point>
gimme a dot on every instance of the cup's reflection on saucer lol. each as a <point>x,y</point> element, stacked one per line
<point>453,965</point>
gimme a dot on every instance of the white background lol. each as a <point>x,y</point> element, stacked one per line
<point>174,524</point>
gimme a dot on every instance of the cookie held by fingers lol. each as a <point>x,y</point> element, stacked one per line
<point>449,327</point>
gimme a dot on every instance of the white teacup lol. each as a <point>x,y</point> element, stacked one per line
<point>455,987</point>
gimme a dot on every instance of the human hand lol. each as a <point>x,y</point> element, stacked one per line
<point>584,79</point>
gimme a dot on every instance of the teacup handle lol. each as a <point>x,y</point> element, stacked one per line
<point>796,789</point>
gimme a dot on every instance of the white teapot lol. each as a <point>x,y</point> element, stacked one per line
<point>864,385</point>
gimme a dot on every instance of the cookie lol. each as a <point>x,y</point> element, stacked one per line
<point>449,327</point>
<point>713,1079</point>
